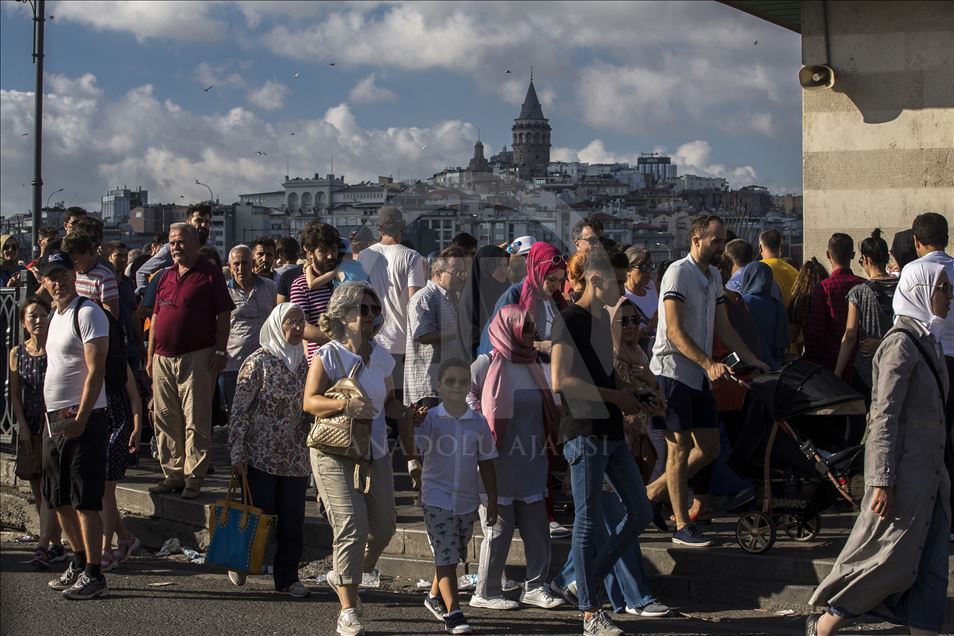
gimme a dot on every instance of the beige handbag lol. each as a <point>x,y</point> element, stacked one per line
<point>340,434</point>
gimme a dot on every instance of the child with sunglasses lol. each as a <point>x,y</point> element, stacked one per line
<point>455,445</point>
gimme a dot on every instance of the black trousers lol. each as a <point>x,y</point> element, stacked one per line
<point>949,412</point>
<point>284,497</point>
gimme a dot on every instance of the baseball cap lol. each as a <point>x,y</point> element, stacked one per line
<point>390,218</point>
<point>521,246</point>
<point>54,260</point>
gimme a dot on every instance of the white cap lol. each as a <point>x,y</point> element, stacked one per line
<point>521,246</point>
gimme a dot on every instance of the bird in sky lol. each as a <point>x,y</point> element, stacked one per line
<point>508,70</point>
<point>756,43</point>
<point>296,75</point>
<point>331,64</point>
<point>424,147</point>
<point>261,154</point>
<point>24,134</point>
<point>208,88</point>
<point>291,134</point>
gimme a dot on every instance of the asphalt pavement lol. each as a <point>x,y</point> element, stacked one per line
<point>169,595</point>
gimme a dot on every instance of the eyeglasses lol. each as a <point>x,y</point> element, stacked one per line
<point>294,324</point>
<point>629,320</point>
<point>648,266</point>
<point>944,288</point>
<point>457,381</point>
<point>593,240</point>
<point>367,310</point>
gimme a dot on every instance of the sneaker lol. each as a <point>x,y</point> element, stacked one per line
<point>237,578</point>
<point>86,588</point>
<point>41,559</point>
<point>349,623</point>
<point>568,593</point>
<point>499,603</point>
<point>650,610</point>
<point>435,605</point>
<point>600,625</point>
<point>455,623</point>
<point>691,536</point>
<point>541,597</point>
<point>659,521</point>
<point>296,589</point>
<point>557,531</point>
<point>57,553</point>
<point>66,580</point>
<point>167,485</point>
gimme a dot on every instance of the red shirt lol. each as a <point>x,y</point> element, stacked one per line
<point>186,308</point>
<point>827,316</point>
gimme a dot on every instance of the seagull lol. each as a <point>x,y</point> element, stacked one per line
<point>208,88</point>
<point>508,70</point>
<point>261,154</point>
<point>24,134</point>
<point>296,75</point>
<point>756,43</point>
<point>291,134</point>
<point>331,64</point>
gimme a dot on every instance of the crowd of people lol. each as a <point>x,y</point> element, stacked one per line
<point>504,374</point>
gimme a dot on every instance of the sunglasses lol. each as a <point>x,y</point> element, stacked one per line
<point>457,381</point>
<point>368,310</point>
<point>557,260</point>
<point>629,320</point>
<point>648,266</point>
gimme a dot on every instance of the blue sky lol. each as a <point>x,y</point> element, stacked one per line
<point>125,103</point>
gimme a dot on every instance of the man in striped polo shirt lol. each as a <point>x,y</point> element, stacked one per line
<point>321,242</point>
<point>94,280</point>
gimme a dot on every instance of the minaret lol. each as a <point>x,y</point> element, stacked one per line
<point>531,137</point>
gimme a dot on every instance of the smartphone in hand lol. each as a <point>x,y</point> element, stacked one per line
<point>57,421</point>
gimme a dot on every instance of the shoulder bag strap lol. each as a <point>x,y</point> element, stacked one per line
<point>76,329</point>
<point>927,359</point>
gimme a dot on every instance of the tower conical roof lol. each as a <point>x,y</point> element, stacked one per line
<point>531,108</point>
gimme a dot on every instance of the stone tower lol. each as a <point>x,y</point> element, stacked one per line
<point>531,138</point>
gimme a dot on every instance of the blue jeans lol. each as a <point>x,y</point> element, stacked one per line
<point>590,458</point>
<point>626,583</point>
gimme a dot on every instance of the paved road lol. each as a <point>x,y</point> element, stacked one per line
<point>198,601</point>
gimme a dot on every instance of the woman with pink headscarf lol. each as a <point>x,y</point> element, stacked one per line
<point>540,294</point>
<point>511,391</point>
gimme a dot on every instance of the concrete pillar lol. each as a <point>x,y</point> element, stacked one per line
<point>878,147</point>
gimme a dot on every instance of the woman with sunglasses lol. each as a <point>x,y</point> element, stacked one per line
<point>895,562</point>
<point>358,495</point>
<point>10,266</point>
<point>510,389</point>
<point>267,432</point>
<point>641,291</point>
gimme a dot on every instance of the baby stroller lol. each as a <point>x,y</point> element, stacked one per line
<point>794,480</point>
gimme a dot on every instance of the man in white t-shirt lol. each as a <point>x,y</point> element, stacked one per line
<point>396,273</point>
<point>74,448</point>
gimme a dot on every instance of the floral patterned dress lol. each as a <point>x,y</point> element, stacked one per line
<point>267,427</point>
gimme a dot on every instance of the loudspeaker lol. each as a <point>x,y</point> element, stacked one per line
<point>816,77</point>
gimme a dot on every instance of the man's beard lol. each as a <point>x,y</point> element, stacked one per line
<point>325,266</point>
<point>203,235</point>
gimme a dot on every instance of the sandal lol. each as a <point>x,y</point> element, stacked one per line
<point>125,548</point>
<point>41,558</point>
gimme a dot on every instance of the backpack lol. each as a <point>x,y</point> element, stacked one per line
<point>115,377</point>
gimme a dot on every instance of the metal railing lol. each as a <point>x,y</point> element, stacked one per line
<point>12,335</point>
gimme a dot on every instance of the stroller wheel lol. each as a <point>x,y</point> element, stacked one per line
<point>755,532</point>
<point>800,527</point>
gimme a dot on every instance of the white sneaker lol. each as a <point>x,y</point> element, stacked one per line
<point>349,624</point>
<point>236,578</point>
<point>541,597</point>
<point>493,603</point>
<point>557,531</point>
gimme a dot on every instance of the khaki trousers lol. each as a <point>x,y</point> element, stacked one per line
<point>362,524</point>
<point>182,388</point>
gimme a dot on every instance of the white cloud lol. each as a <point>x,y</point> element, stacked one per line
<point>593,152</point>
<point>746,122</point>
<point>367,92</point>
<point>93,142</point>
<point>181,20</point>
<point>269,96</point>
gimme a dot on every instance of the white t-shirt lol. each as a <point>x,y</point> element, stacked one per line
<point>649,303</point>
<point>373,379</point>
<point>66,370</point>
<point>392,270</point>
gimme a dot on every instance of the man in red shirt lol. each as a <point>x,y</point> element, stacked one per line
<point>187,350</point>
<point>828,312</point>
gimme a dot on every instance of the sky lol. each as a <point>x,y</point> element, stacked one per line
<point>393,89</point>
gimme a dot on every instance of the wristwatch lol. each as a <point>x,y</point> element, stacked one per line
<point>220,353</point>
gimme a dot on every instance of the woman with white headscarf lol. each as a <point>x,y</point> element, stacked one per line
<point>267,431</point>
<point>895,563</point>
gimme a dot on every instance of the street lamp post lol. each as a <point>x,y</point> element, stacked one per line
<point>51,196</point>
<point>211,196</point>
<point>39,18</point>
<point>666,247</point>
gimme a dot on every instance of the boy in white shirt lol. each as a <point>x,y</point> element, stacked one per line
<point>455,444</point>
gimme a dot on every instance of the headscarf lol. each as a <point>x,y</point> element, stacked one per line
<point>756,280</point>
<point>912,298</point>
<point>496,397</point>
<point>480,295</point>
<point>272,337</point>
<point>902,247</point>
<point>629,354</point>
<point>542,259</point>
<point>3,241</point>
